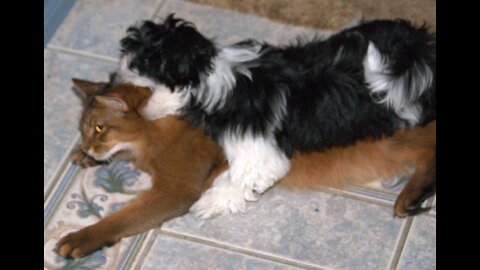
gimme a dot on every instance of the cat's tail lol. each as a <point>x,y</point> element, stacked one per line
<point>365,161</point>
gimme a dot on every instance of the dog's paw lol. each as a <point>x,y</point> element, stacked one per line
<point>82,243</point>
<point>261,186</point>
<point>82,159</point>
<point>219,200</point>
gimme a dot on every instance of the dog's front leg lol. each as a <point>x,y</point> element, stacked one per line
<point>256,163</point>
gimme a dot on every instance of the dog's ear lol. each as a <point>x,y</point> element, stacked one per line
<point>188,56</point>
<point>87,88</point>
<point>188,67</point>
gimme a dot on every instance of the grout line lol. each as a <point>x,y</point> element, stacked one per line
<point>356,196</point>
<point>137,261</point>
<point>374,193</point>
<point>132,252</point>
<point>157,10</point>
<point>62,165</point>
<point>239,250</point>
<point>83,53</point>
<point>400,244</point>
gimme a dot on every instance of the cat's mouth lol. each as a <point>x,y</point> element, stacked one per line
<point>99,157</point>
<point>105,156</point>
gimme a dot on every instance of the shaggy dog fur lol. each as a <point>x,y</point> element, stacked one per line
<point>261,102</point>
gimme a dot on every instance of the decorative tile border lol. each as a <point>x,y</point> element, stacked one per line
<point>61,129</point>
<point>59,191</point>
<point>62,168</point>
<point>84,196</point>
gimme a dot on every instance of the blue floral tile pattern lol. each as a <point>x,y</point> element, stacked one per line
<point>85,202</point>
<point>116,176</point>
<point>87,207</point>
<point>93,261</point>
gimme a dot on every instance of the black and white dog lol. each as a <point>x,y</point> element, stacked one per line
<point>262,102</point>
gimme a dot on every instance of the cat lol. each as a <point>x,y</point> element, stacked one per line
<point>177,157</point>
<point>183,163</point>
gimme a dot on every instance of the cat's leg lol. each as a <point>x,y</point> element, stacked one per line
<point>148,210</point>
<point>420,186</point>
<point>256,163</point>
<point>79,157</point>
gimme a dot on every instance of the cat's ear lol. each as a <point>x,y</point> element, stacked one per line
<point>139,97</point>
<point>113,102</point>
<point>87,88</point>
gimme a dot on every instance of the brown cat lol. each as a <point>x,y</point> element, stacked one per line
<point>183,163</point>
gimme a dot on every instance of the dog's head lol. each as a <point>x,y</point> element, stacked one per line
<point>173,52</point>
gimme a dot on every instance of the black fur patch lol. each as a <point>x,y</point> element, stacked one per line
<point>328,102</point>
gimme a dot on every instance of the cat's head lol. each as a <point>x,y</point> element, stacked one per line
<point>110,121</point>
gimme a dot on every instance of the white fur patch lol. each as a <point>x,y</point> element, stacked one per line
<point>279,108</point>
<point>222,198</point>
<point>338,56</point>
<point>376,75</point>
<point>255,161</point>
<point>163,103</point>
<point>124,74</point>
<point>256,164</point>
<point>112,151</point>
<point>215,88</point>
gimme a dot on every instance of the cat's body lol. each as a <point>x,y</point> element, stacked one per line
<point>177,157</point>
<point>183,163</point>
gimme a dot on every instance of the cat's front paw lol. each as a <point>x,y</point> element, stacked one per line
<point>219,200</point>
<point>82,243</point>
<point>82,159</point>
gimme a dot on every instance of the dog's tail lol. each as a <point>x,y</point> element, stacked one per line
<point>401,75</point>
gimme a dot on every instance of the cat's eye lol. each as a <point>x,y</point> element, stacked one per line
<point>98,128</point>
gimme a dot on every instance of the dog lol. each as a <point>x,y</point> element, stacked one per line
<point>262,102</point>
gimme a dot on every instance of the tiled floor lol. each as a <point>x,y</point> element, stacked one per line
<point>320,229</point>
